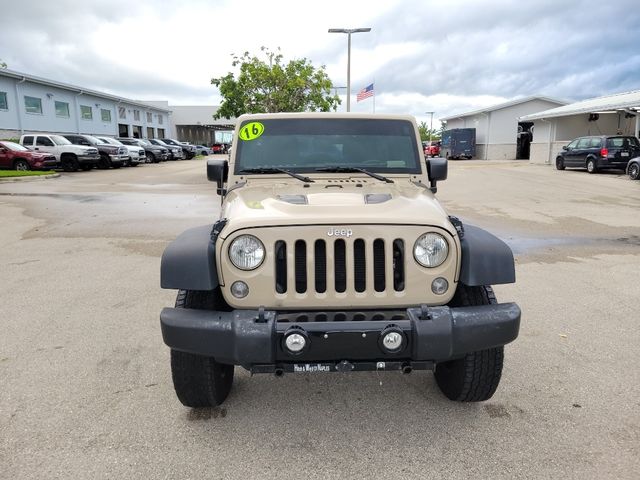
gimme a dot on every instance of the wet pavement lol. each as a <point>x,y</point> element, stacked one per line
<point>86,388</point>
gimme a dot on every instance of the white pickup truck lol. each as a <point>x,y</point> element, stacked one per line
<point>70,157</point>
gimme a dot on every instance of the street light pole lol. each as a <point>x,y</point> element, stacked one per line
<point>430,125</point>
<point>349,31</point>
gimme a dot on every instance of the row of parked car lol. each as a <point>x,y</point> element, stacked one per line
<point>602,152</point>
<point>75,152</point>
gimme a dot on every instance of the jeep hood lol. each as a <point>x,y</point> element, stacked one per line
<point>332,202</point>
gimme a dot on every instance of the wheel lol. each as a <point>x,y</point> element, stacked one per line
<point>200,381</point>
<point>592,167</point>
<point>151,158</point>
<point>634,171</point>
<point>22,165</point>
<point>104,162</point>
<point>474,377</point>
<point>133,164</point>
<point>69,163</point>
<point>560,163</point>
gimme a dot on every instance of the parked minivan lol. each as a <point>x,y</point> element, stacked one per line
<point>598,152</point>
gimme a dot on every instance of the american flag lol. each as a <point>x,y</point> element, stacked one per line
<point>366,92</point>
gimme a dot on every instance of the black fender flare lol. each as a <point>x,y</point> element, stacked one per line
<point>189,262</point>
<point>486,260</point>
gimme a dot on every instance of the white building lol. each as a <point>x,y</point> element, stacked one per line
<point>609,115</point>
<point>34,104</point>
<point>498,127</point>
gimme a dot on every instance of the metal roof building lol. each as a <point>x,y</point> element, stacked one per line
<point>34,104</point>
<point>553,128</point>
<point>499,133</point>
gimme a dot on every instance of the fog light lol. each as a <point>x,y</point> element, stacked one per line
<point>239,289</point>
<point>295,342</point>
<point>392,341</point>
<point>439,286</point>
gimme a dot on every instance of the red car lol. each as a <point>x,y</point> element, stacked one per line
<point>431,149</point>
<point>17,157</point>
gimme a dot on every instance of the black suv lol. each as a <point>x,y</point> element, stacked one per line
<point>598,152</point>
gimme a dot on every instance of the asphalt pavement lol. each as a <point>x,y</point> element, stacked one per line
<point>85,382</point>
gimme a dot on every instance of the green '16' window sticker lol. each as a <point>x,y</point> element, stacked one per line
<point>251,131</point>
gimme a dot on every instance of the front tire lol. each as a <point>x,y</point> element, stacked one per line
<point>560,163</point>
<point>22,165</point>
<point>474,377</point>
<point>634,171</point>
<point>200,381</point>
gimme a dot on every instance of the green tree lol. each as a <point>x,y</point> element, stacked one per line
<point>424,130</point>
<point>2,64</point>
<point>265,85</point>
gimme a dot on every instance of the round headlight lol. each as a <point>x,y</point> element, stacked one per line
<point>431,250</point>
<point>246,252</point>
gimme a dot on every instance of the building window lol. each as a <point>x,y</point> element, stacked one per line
<point>122,112</point>
<point>160,120</point>
<point>106,115</point>
<point>3,101</point>
<point>136,115</point>
<point>62,109</point>
<point>161,133</point>
<point>149,117</point>
<point>86,113</point>
<point>150,133</point>
<point>33,105</point>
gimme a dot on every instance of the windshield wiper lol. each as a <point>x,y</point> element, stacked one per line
<point>353,170</point>
<point>277,170</point>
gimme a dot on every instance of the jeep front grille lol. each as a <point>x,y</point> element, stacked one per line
<point>332,259</point>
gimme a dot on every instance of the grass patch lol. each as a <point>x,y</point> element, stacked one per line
<point>28,173</point>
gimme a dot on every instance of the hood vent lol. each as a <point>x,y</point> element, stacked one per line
<point>372,198</point>
<point>294,199</point>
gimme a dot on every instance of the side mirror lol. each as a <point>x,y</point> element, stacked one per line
<point>218,171</point>
<point>564,147</point>
<point>437,169</point>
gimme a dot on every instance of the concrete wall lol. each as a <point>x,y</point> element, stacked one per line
<point>16,119</point>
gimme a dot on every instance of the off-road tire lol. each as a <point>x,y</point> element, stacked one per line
<point>592,166</point>
<point>69,162</point>
<point>474,377</point>
<point>200,381</point>
<point>104,163</point>
<point>560,164</point>
<point>634,171</point>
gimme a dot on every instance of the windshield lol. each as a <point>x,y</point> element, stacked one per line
<point>145,142</point>
<point>111,141</point>
<point>14,146</point>
<point>303,145</point>
<point>93,140</point>
<point>58,140</point>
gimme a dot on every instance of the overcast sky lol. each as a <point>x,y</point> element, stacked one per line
<point>446,56</point>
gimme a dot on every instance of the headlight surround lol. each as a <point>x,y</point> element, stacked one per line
<point>431,250</point>
<point>246,252</point>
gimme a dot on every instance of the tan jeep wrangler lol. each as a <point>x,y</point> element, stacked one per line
<point>332,254</point>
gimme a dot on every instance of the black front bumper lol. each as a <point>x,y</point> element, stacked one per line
<point>255,339</point>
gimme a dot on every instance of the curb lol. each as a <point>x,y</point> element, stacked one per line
<point>34,178</point>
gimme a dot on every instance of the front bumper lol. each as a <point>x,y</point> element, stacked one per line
<point>255,339</point>
<point>121,159</point>
<point>88,159</point>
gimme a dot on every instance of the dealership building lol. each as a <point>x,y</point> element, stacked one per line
<point>501,134</point>
<point>34,104</point>
<point>617,114</point>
